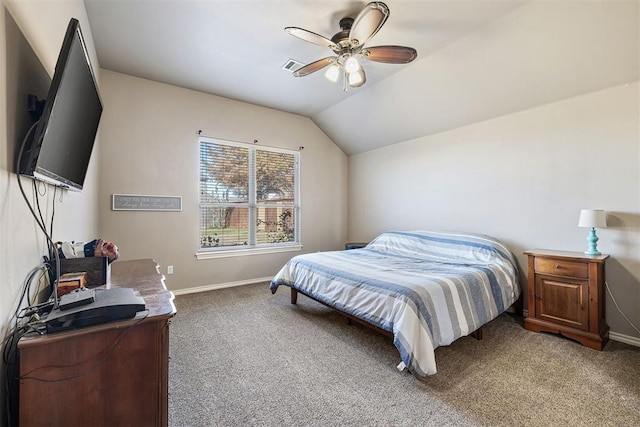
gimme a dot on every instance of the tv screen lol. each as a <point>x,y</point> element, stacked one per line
<point>64,136</point>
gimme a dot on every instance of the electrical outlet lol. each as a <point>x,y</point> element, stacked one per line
<point>170,269</point>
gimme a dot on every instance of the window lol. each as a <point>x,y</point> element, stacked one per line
<point>249,196</point>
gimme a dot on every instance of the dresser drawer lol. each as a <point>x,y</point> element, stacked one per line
<point>558,267</point>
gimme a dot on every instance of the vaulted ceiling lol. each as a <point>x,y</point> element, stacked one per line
<point>477,59</point>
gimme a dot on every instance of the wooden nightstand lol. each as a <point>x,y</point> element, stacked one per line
<point>566,296</point>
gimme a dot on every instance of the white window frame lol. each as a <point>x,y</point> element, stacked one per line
<point>253,248</point>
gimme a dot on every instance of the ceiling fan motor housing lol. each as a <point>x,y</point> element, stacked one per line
<point>341,38</point>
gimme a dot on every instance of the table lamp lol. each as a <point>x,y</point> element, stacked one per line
<point>592,218</point>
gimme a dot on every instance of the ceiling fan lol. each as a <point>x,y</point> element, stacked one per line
<point>348,47</point>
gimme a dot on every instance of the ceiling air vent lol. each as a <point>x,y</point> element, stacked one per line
<point>292,65</point>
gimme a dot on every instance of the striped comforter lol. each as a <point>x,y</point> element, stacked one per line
<point>427,288</point>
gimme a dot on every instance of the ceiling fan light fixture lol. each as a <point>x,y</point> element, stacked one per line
<point>357,78</point>
<point>333,73</point>
<point>352,65</point>
<point>348,44</point>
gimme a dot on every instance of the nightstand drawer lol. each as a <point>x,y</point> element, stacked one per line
<point>558,267</point>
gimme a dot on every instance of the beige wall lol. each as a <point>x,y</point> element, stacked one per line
<point>522,178</point>
<point>76,217</point>
<point>150,147</point>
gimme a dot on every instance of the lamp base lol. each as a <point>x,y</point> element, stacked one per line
<point>593,241</point>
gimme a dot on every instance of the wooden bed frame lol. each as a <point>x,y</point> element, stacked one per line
<point>477,334</point>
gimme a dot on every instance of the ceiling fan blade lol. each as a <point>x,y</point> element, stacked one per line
<point>368,22</point>
<point>314,66</point>
<point>311,37</point>
<point>390,54</point>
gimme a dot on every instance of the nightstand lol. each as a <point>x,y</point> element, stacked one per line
<point>566,296</point>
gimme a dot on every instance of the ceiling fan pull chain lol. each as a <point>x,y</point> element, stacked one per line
<point>345,82</point>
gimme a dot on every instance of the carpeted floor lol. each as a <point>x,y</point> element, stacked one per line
<point>241,356</point>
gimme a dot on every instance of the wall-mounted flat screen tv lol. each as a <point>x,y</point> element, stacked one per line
<point>61,146</point>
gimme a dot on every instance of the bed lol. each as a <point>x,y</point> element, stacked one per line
<point>425,289</point>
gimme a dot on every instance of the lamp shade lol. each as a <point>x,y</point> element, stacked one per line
<point>594,218</point>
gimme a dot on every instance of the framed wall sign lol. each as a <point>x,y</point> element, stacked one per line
<point>136,202</point>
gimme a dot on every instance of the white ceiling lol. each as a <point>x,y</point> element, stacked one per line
<point>477,59</point>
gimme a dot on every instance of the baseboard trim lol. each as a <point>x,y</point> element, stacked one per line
<point>614,336</point>
<point>627,339</point>
<point>221,286</point>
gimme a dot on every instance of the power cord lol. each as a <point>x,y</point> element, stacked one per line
<point>606,285</point>
<point>21,323</point>
<point>27,319</point>
<point>39,220</point>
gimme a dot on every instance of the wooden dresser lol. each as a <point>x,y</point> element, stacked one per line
<point>566,296</point>
<point>113,374</point>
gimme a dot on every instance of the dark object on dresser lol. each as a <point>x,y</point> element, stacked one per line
<point>88,307</point>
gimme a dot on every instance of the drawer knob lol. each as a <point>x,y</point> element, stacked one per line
<point>558,267</point>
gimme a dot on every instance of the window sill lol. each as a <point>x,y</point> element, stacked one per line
<point>228,253</point>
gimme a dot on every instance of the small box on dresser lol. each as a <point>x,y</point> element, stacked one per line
<point>566,296</point>
<point>70,281</point>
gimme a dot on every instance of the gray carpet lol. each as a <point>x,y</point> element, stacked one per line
<point>241,356</point>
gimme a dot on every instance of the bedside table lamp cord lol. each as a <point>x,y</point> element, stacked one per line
<point>606,285</point>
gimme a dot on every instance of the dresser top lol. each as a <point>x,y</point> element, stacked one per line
<point>141,275</point>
